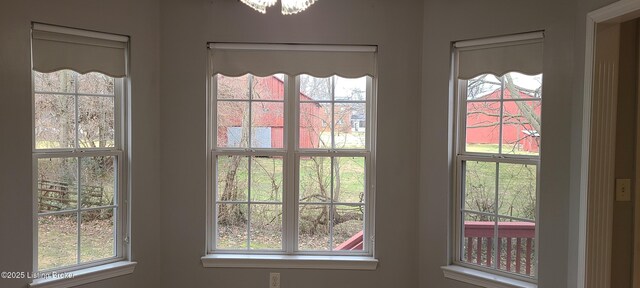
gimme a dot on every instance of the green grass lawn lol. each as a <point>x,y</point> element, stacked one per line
<point>315,178</point>
<point>58,241</point>
<point>516,189</point>
<point>315,186</point>
<point>494,148</point>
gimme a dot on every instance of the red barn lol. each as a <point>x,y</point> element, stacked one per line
<point>518,133</point>
<point>267,113</point>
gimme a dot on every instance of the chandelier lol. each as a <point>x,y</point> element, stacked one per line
<point>288,6</point>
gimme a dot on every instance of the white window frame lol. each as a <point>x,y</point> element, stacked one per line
<point>291,155</point>
<point>460,155</point>
<point>121,197</point>
<point>119,264</point>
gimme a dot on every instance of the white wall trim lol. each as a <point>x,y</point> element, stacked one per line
<point>483,279</point>
<point>617,12</point>
<point>601,160</point>
<point>289,261</point>
<point>84,276</point>
<point>636,225</point>
<point>590,219</point>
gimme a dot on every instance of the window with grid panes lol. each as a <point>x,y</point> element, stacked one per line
<point>498,155</point>
<point>78,148</point>
<point>291,160</point>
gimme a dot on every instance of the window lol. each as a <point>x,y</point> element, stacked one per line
<point>291,173</point>
<point>497,154</point>
<point>79,155</point>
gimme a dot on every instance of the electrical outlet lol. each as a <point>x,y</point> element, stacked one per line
<point>274,280</point>
<point>623,189</point>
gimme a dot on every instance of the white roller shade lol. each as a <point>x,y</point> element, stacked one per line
<point>57,48</point>
<point>315,60</point>
<point>516,53</point>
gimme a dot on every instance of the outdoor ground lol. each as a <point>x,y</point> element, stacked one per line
<point>57,238</point>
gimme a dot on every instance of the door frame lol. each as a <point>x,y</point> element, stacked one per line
<point>596,216</point>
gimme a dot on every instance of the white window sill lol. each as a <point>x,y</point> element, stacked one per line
<point>483,279</point>
<point>84,276</point>
<point>289,261</point>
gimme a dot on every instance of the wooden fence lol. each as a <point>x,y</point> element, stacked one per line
<point>55,196</point>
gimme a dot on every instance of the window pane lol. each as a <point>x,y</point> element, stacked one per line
<point>350,89</point>
<point>233,124</point>
<point>57,241</point>
<point>97,186</point>
<point>313,227</point>
<point>59,81</point>
<point>521,127</point>
<point>517,190</point>
<point>266,179</point>
<point>267,124</point>
<point>266,227</point>
<point>316,89</point>
<point>350,125</point>
<point>232,226</point>
<point>315,125</point>
<point>348,227</point>
<point>260,88</point>
<point>484,87</point>
<point>57,184</point>
<point>267,88</point>
<point>233,87</point>
<point>478,239</point>
<point>315,179</point>
<point>97,235</point>
<point>233,178</point>
<point>529,85</point>
<point>95,83</point>
<point>483,127</point>
<point>517,245</point>
<point>480,186</point>
<point>96,121</point>
<point>54,121</point>
<point>348,179</point>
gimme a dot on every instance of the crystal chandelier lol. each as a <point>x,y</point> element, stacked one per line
<point>288,6</point>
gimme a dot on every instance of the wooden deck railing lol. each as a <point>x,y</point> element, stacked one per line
<point>353,243</point>
<point>515,245</point>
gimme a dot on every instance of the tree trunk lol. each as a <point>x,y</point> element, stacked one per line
<point>336,190</point>
<point>528,112</point>
<point>231,214</point>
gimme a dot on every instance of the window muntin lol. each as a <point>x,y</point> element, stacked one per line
<point>339,104</point>
<point>319,103</point>
<point>78,160</point>
<point>250,111</point>
<point>331,205</point>
<point>498,168</point>
<point>503,114</point>
<point>249,202</point>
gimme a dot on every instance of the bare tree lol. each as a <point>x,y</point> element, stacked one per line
<point>75,111</point>
<point>516,194</point>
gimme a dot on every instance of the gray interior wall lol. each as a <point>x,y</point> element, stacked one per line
<point>186,27</point>
<point>414,40</point>
<point>139,19</point>
<point>449,21</point>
